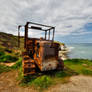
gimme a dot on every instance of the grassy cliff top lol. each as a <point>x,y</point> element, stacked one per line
<point>59,42</point>
<point>10,41</point>
<point>9,51</point>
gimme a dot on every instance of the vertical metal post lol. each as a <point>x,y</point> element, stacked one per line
<point>45,34</point>
<point>53,34</point>
<point>49,35</point>
<point>26,35</point>
<point>18,36</point>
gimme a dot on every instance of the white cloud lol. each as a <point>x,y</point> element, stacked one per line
<point>69,16</point>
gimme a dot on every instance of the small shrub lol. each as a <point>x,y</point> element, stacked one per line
<point>2,53</point>
<point>8,58</point>
<point>42,82</point>
<point>86,72</point>
<point>39,83</point>
<point>18,64</point>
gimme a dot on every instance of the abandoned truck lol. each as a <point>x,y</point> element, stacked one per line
<point>40,53</point>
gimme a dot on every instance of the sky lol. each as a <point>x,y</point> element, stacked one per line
<point>72,18</point>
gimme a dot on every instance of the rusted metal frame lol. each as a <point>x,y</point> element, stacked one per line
<point>53,37</point>
<point>53,34</point>
<point>43,29</point>
<point>26,36</point>
<point>35,27</point>
<point>45,34</point>
<point>26,32</point>
<point>49,35</point>
<point>19,35</point>
<point>38,24</point>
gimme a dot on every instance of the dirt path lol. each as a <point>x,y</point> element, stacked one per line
<point>76,84</point>
<point>81,83</point>
<point>7,64</point>
<point>8,83</point>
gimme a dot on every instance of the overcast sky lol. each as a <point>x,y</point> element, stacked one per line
<point>72,18</point>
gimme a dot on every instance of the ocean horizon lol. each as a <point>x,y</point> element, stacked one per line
<point>80,50</point>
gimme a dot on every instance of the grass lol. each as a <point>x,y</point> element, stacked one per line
<point>18,64</point>
<point>10,41</point>
<point>8,58</point>
<point>4,68</point>
<point>41,82</point>
<point>2,53</point>
<point>4,57</point>
<point>44,80</point>
<point>80,66</point>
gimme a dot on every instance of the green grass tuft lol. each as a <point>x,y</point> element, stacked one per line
<point>42,81</point>
<point>2,53</point>
<point>4,68</point>
<point>7,58</point>
<point>18,64</point>
<point>80,66</point>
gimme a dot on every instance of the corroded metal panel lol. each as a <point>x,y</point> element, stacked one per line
<point>49,64</point>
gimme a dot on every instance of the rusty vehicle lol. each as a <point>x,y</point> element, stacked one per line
<point>40,53</point>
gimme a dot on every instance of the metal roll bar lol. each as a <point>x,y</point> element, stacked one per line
<point>49,28</point>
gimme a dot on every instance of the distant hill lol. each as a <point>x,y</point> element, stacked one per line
<point>8,41</point>
<point>9,51</point>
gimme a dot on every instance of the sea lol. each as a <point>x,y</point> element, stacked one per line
<point>79,50</point>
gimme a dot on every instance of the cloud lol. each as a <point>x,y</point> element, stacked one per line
<point>69,16</point>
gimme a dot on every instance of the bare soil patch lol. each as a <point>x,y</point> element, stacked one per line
<point>77,84</point>
<point>8,83</point>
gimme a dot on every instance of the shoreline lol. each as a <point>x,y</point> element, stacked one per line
<point>64,52</point>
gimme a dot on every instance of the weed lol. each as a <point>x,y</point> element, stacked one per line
<point>42,81</point>
<point>2,53</point>
<point>4,68</point>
